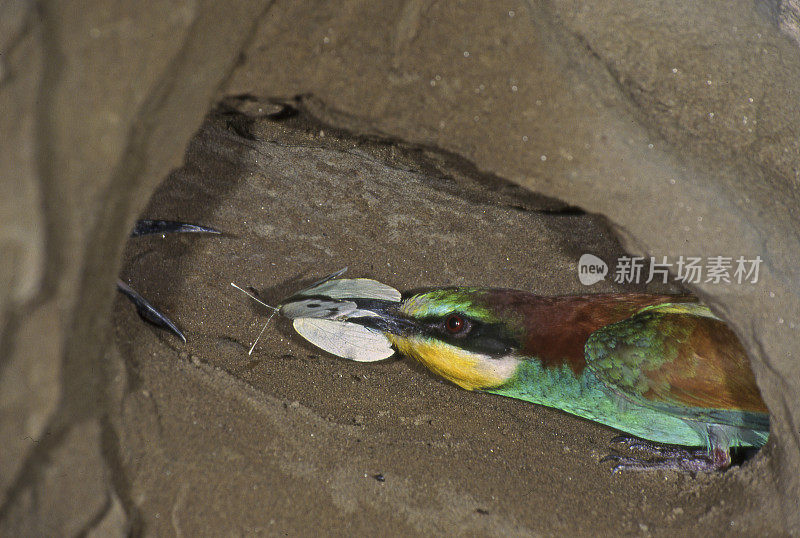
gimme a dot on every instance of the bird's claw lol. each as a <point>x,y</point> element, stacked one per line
<point>628,441</point>
<point>659,450</point>
<point>618,466</point>
<point>649,447</point>
<point>627,463</point>
<point>675,459</point>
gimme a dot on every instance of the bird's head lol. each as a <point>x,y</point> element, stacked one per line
<point>467,335</point>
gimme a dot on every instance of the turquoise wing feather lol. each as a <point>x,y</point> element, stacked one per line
<point>682,360</point>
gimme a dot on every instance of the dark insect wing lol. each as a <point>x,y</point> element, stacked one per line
<point>148,312</point>
<point>149,227</point>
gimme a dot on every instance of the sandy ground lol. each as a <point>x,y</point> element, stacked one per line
<point>677,121</point>
<point>291,439</point>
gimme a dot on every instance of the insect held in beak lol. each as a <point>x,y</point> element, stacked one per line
<point>321,312</point>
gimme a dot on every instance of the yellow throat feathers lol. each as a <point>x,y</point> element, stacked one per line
<point>466,369</point>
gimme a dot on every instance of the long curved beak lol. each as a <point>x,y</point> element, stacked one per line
<point>386,316</point>
<point>379,314</point>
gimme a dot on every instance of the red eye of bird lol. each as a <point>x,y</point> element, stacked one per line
<point>454,323</point>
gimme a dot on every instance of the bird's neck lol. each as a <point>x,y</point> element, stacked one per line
<point>556,328</point>
<point>553,386</point>
<point>552,369</point>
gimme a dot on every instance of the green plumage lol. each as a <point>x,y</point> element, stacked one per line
<point>636,380</point>
<point>589,398</point>
<point>630,358</point>
<point>660,368</point>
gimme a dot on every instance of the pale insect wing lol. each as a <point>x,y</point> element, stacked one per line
<point>317,308</point>
<point>346,340</point>
<point>353,288</point>
<point>331,276</point>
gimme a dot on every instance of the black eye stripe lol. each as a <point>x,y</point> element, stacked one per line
<point>474,335</point>
<point>455,324</point>
<point>489,338</point>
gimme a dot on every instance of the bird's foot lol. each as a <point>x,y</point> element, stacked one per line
<point>668,457</point>
<point>655,449</point>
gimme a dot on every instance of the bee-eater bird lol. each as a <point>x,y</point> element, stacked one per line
<point>660,368</point>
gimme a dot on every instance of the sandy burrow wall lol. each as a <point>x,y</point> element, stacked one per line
<point>678,122</point>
